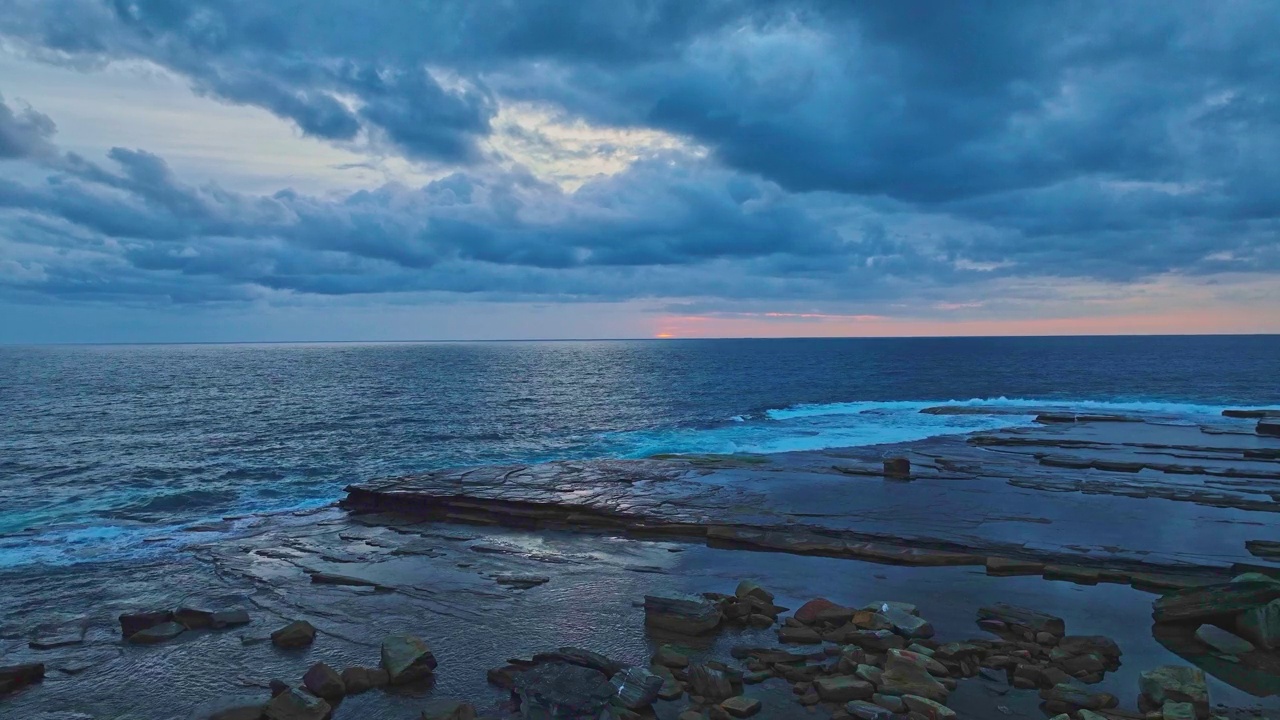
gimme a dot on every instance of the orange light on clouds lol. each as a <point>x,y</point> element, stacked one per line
<point>664,335</point>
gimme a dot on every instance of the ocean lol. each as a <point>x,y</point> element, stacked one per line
<point>107,452</point>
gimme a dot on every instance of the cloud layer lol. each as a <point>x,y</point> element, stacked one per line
<point>913,158</point>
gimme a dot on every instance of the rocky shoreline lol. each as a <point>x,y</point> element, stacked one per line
<point>576,589</point>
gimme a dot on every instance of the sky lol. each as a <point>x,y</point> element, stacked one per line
<point>238,170</point>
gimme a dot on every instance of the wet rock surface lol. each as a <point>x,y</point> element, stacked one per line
<point>433,577</point>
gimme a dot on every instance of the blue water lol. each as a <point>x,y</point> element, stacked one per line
<point>105,447</point>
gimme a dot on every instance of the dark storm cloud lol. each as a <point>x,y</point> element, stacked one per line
<point>854,149</point>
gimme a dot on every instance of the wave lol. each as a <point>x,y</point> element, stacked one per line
<point>862,423</point>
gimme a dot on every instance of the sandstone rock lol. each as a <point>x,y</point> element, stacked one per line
<point>892,703</point>
<point>1069,698</point>
<point>1261,625</point>
<point>886,605</point>
<point>406,658</point>
<point>358,679</point>
<point>748,589</point>
<point>1008,566</point>
<point>521,582</point>
<point>504,676</point>
<point>1100,645</point>
<point>562,690</point>
<point>863,710</point>
<point>671,657</point>
<point>15,677</point>
<point>709,683</point>
<point>897,467</point>
<point>193,619</point>
<point>636,687</point>
<point>808,612</point>
<point>843,688</point>
<point>131,623</point>
<point>323,681</point>
<point>870,673</point>
<point>681,614</point>
<point>158,633</point>
<point>1223,641</point>
<point>741,706</point>
<point>277,686</point>
<point>579,656</point>
<point>297,705</point>
<point>928,708</point>
<point>690,715</point>
<point>904,675</point>
<point>229,618</point>
<point>1175,683</point>
<point>298,634</point>
<point>875,640</point>
<point>1213,602</point>
<point>445,709</point>
<point>1268,427</point>
<point>908,625</point>
<point>1018,617</point>
<point>1178,711</point>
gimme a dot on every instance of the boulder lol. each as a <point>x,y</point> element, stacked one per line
<point>875,640</point>
<point>748,589</point>
<point>741,706</point>
<point>1178,711</point>
<point>131,623</point>
<point>1268,426</point>
<point>229,618</point>
<point>406,658</point>
<point>1207,603</point>
<point>863,710</point>
<point>1223,641</point>
<point>808,612</point>
<point>897,467</point>
<point>1175,683</point>
<point>358,679</point>
<point>892,703</point>
<point>445,709</point>
<point>1023,618</point>
<point>562,691</point>
<point>709,683</point>
<point>927,708</point>
<point>799,635</point>
<point>15,677</point>
<point>1085,644</point>
<point>1261,625</point>
<point>294,704</point>
<point>681,614</point>
<point>843,688</point>
<point>585,658</point>
<point>193,619</point>
<point>671,657</point>
<point>907,625</point>
<point>298,634</point>
<point>636,687</point>
<point>905,675</point>
<point>325,682</point>
<point>158,633</point>
<point>1070,697</point>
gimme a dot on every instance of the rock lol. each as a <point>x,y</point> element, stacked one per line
<point>562,691</point>
<point>843,688</point>
<point>799,635</point>
<point>229,618</point>
<point>504,676</point>
<point>1268,427</point>
<point>681,614</point>
<point>690,715</point>
<point>277,686</point>
<point>1223,641</point>
<point>1178,711</point>
<point>233,708</point>
<point>1031,676</point>
<point>193,619</point>
<point>870,673</point>
<point>445,709</point>
<point>884,606</point>
<point>1261,625</point>
<point>131,623</point>
<point>15,677</point>
<point>897,467</point>
<point>741,706</point>
<point>875,640</point>
<point>1210,602</point>
<point>863,710</point>
<point>1009,566</point>
<point>585,658</point>
<point>1069,697</point>
<point>1018,617</point>
<point>1045,638</point>
<point>521,582</point>
<point>406,658</point>
<point>748,589</point>
<point>908,625</point>
<point>323,681</point>
<point>928,708</point>
<point>1176,683</point>
<point>671,657</point>
<point>836,615</point>
<point>892,703</point>
<point>905,675</point>
<point>709,683</point>
<point>53,639</point>
<point>808,612</point>
<point>1085,644</point>
<point>158,633</point>
<point>297,705</point>
<point>358,679</point>
<point>297,634</point>
<point>636,687</point>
